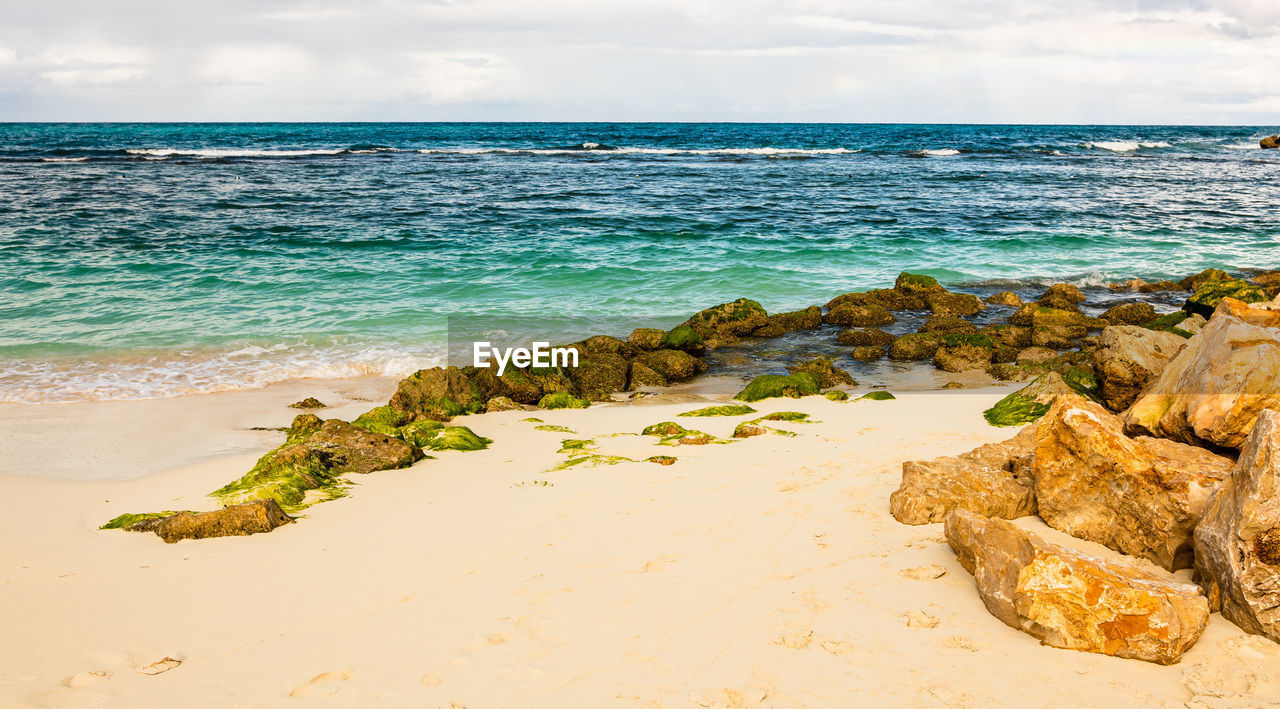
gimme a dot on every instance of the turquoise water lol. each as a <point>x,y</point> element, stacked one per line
<point>153,260</point>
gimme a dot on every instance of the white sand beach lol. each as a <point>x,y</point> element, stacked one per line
<point>764,572</point>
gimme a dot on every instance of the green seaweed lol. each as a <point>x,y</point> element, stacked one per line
<point>592,460</point>
<point>383,419</point>
<point>562,400</point>
<point>970,339</point>
<point>128,519</point>
<point>791,416</point>
<point>915,281</point>
<point>681,337</point>
<point>837,395</point>
<point>457,438</point>
<point>767,386</point>
<point>570,445</point>
<point>289,475</point>
<point>554,428</point>
<point>666,428</point>
<point>877,396</point>
<point>729,410</point>
<point>1169,322</point>
<point>1015,410</point>
<point>420,432</point>
<point>1208,295</point>
<point>1082,380</point>
<point>532,420</point>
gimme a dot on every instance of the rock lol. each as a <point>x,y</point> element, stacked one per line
<point>646,338</point>
<point>852,314</point>
<point>642,375</point>
<point>948,303</point>
<point>1134,285</point>
<point>672,365</point>
<point>599,374</point>
<point>1270,282</point>
<point>1030,402</point>
<point>948,325</point>
<point>1262,314</point>
<point>1237,543</point>
<point>914,347</point>
<point>747,429</point>
<point>304,425</point>
<point>963,353</point>
<point>1269,142</point>
<point>1128,359</point>
<point>808,319</point>
<point>1209,294</point>
<point>1140,496</point>
<point>981,481</point>
<point>308,403</point>
<point>865,337</point>
<point>1160,286</point>
<point>1130,314</point>
<point>1004,298</point>
<point>437,393</point>
<point>501,403</point>
<point>562,400</point>
<point>1214,389</point>
<point>289,475</point>
<point>1054,327</point>
<point>1072,600</point>
<point>725,323</point>
<point>1017,336</point>
<point>827,374</point>
<point>344,448</point>
<point>1036,355</point>
<point>686,339</point>
<point>234,521</point>
<point>603,344</point>
<point>768,386</point>
<point>866,354</point>
<point>1192,283</point>
<point>916,283</point>
<point>1061,296</point>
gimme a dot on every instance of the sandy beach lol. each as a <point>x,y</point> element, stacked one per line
<point>764,572</point>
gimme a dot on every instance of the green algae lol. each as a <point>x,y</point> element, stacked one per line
<point>419,433</point>
<point>666,428</point>
<point>383,419</point>
<point>569,445</point>
<point>837,395</point>
<point>1169,322</point>
<point>1015,410</point>
<point>562,400</point>
<point>592,460</point>
<point>553,428</point>
<point>531,420</point>
<point>729,410</point>
<point>767,386</point>
<point>672,434</point>
<point>681,337</point>
<point>970,339</point>
<point>791,416</point>
<point>915,282</point>
<point>129,519</point>
<point>877,396</point>
<point>1209,294</point>
<point>457,438</point>
<point>291,475</point>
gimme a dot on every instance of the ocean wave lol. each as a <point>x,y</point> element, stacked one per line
<point>1093,279</point>
<point>1124,146</point>
<point>939,152</point>
<point>638,151</point>
<point>230,152</point>
<point>152,375</point>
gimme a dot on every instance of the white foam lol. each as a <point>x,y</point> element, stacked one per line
<point>80,159</point>
<point>1125,146</point>
<point>229,153</point>
<point>1242,146</point>
<point>941,152</point>
<point>639,151</point>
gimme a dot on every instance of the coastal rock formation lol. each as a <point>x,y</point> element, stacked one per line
<point>1194,282</point>
<point>865,337</point>
<point>308,403</point>
<point>1030,402</point>
<point>1270,282</point>
<point>1263,314</point>
<point>767,386</point>
<point>914,346</point>
<point>1213,391</point>
<point>947,325</point>
<point>1071,600</point>
<point>859,315</point>
<point>1271,141</point>
<point>781,323</point>
<point>1209,294</point>
<point>685,339</point>
<point>672,365</point>
<point>1237,544</point>
<point>437,393</point>
<point>304,425</point>
<point>1036,355</point>
<point>599,374</point>
<point>1141,496</point>
<point>959,304</point>
<point>1004,298</point>
<point>1061,296</point>
<point>234,521</point>
<point>344,448</point>
<point>963,353</point>
<point>1129,358</point>
<point>984,480</point>
<point>500,403</point>
<point>827,374</point>
<point>868,353</point>
<point>1016,336</point>
<point>1130,314</point>
<point>646,338</point>
<point>724,324</point>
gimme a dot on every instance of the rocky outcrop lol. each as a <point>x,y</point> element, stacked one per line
<point>646,338</point>
<point>914,346</point>
<point>600,374</point>
<point>1213,391</point>
<point>958,304</point>
<point>767,386</point>
<point>1263,314</point>
<point>1130,314</point>
<point>1141,496</point>
<point>1061,296</point>
<point>344,448</point>
<point>1194,282</point>
<point>437,393</point>
<point>865,337</point>
<point>1071,600</point>
<point>1269,142</point>
<point>948,325</point>
<point>1005,298</point>
<point>827,374</point>
<point>984,480</point>
<point>781,323</point>
<point>672,365</point>
<point>859,315</point>
<point>308,403</point>
<point>1237,544</point>
<point>964,353</point>
<point>234,521</point>
<point>869,353</point>
<point>1209,294</point>
<point>1030,402</point>
<point>1128,359</point>
<point>724,324</point>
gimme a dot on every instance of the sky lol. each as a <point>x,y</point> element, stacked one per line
<point>930,61</point>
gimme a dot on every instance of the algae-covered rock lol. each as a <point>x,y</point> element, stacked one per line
<point>438,393</point>
<point>683,338</point>
<point>877,396</point>
<point>866,354</point>
<point>914,346</point>
<point>646,338</point>
<point>642,375</point>
<point>661,459</point>
<point>304,425</point>
<point>673,434</point>
<point>672,365</point>
<point>726,410</point>
<point>308,403</point>
<point>964,352</point>
<point>1030,402</point>
<point>1194,282</point>
<point>1169,322</point>
<point>604,344</point>
<point>501,403</point>
<point>1007,299</point>
<point>957,304</point>
<point>865,337</point>
<point>420,432</point>
<point>723,324</point>
<point>139,521</point>
<point>808,319</point>
<point>286,475</point>
<point>237,520</point>
<point>773,385</point>
<point>837,395</point>
<point>1016,336</point>
<point>1206,298</point>
<point>664,429</point>
<point>562,400</point>
<point>948,325</point>
<point>916,283</point>
<point>457,438</point>
<point>382,419</point>
<point>827,374</point>
<point>1061,296</point>
<point>599,374</point>
<point>1130,314</point>
<point>345,448</point>
<point>749,429</point>
<point>853,314</point>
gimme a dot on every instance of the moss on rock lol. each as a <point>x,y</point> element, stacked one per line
<point>768,386</point>
<point>877,396</point>
<point>562,400</point>
<point>726,410</point>
<point>383,419</point>
<point>130,519</point>
<point>837,395</point>
<point>1206,298</point>
<point>286,475</point>
<point>457,438</point>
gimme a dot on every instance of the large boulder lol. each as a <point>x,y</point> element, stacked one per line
<point>1031,402</point>
<point>599,374</point>
<point>956,304</point>
<point>1129,358</point>
<point>1130,314</point>
<point>1018,336</point>
<point>234,521</point>
<point>1004,298</point>
<point>1270,142</point>
<point>1061,296</point>
<point>646,338</point>
<point>865,337</point>
<point>1207,297</point>
<point>1213,391</point>
<point>724,324</point>
<point>1194,282</point>
<point>1072,600</point>
<point>780,323</point>
<point>984,480</point>
<point>345,448</point>
<point>827,374</point>
<point>1264,314</point>
<point>671,365</point>
<point>857,315</point>
<point>1141,496</point>
<point>964,353</point>
<point>948,325</point>
<point>437,393</point>
<point>914,346</point>
<point>1237,544</point>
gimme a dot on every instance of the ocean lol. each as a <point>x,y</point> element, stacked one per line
<point>148,260</point>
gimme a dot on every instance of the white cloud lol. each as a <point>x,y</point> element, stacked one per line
<point>455,77</point>
<point>260,65</point>
<point>7,56</point>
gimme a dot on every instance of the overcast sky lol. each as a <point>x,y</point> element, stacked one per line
<point>1007,61</point>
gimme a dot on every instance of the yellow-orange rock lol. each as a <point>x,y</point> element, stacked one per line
<point>985,480</point>
<point>1141,496</point>
<point>1071,600</point>
<point>1129,358</point>
<point>1215,388</point>
<point>1237,543</point>
<point>1264,314</point>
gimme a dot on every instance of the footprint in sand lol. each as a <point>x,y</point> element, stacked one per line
<point>160,666</point>
<point>925,573</point>
<point>322,685</point>
<point>487,641</point>
<point>837,647</point>
<point>658,564</point>
<point>84,679</point>
<point>430,680</point>
<point>960,642</point>
<point>919,619</point>
<point>792,636</point>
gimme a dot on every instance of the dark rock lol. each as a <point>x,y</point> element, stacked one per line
<point>1210,293</point>
<point>599,375</point>
<point>237,520</point>
<point>1191,283</point>
<point>827,374</point>
<point>808,319</point>
<point>646,338</point>
<point>947,325</point>
<point>1016,336</point>
<point>685,339</point>
<point>1269,142</point>
<point>438,394</point>
<point>724,324</point>
<point>1061,296</point>
<point>1005,298</point>
<point>853,315</point>
<point>344,448</point>
<point>308,403</point>
<point>1130,314</point>
<point>948,303</point>
<point>914,347</point>
<point>865,337</point>
<point>672,365</point>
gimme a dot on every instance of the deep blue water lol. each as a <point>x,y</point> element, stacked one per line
<point>144,260</point>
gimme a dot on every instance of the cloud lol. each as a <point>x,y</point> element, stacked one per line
<point>261,65</point>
